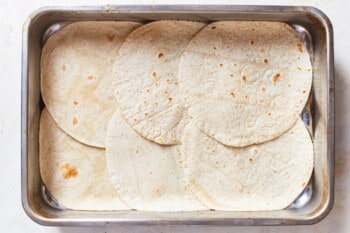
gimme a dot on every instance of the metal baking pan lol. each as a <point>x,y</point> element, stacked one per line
<point>316,31</point>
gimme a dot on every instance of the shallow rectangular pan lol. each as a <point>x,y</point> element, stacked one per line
<point>316,31</point>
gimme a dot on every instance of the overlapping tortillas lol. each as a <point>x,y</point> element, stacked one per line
<point>148,176</point>
<point>76,77</point>
<point>245,82</point>
<point>75,173</point>
<point>145,82</point>
<point>268,176</point>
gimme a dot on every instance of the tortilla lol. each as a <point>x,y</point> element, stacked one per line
<point>148,176</point>
<point>74,173</point>
<point>146,84</point>
<point>268,176</point>
<point>76,77</point>
<point>245,82</point>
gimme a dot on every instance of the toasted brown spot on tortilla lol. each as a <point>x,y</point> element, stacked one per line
<point>213,27</point>
<point>69,171</point>
<point>90,77</point>
<point>231,75</point>
<point>232,94</point>
<point>214,48</point>
<point>276,77</point>
<point>160,55</point>
<point>75,103</point>
<point>262,50</point>
<point>63,68</point>
<point>303,184</point>
<point>250,159</point>
<point>300,47</point>
<point>154,74</point>
<point>251,42</point>
<point>299,68</point>
<point>263,89</point>
<point>221,65</point>
<point>170,99</point>
<point>266,61</point>
<point>74,121</point>
<point>244,78</point>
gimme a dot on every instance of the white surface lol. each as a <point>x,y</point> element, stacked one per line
<point>12,217</point>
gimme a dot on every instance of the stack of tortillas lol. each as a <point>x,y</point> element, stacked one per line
<point>175,116</point>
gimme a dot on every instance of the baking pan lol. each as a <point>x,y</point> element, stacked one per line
<point>316,32</point>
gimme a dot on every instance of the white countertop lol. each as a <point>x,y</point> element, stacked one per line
<point>12,217</point>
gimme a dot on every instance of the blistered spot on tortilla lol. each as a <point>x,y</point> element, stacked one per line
<point>69,171</point>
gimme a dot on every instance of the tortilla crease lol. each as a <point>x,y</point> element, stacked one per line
<point>245,82</point>
<point>76,77</point>
<point>267,176</point>
<point>148,176</point>
<point>145,79</point>
<point>74,173</point>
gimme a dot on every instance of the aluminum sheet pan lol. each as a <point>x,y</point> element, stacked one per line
<point>316,32</point>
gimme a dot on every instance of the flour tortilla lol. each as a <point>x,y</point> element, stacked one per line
<point>245,82</point>
<point>76,77</point>
<point>268,176</point>
<point>146,84</point>
<point>75,173</point>
<point>148,176</point>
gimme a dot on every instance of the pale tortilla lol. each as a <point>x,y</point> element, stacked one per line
<point>74,173</point>
<point>267,176</point>
<point>245,82</point>
<point>145,82</point>
<point>148,176</point>
<point>76,77</point>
